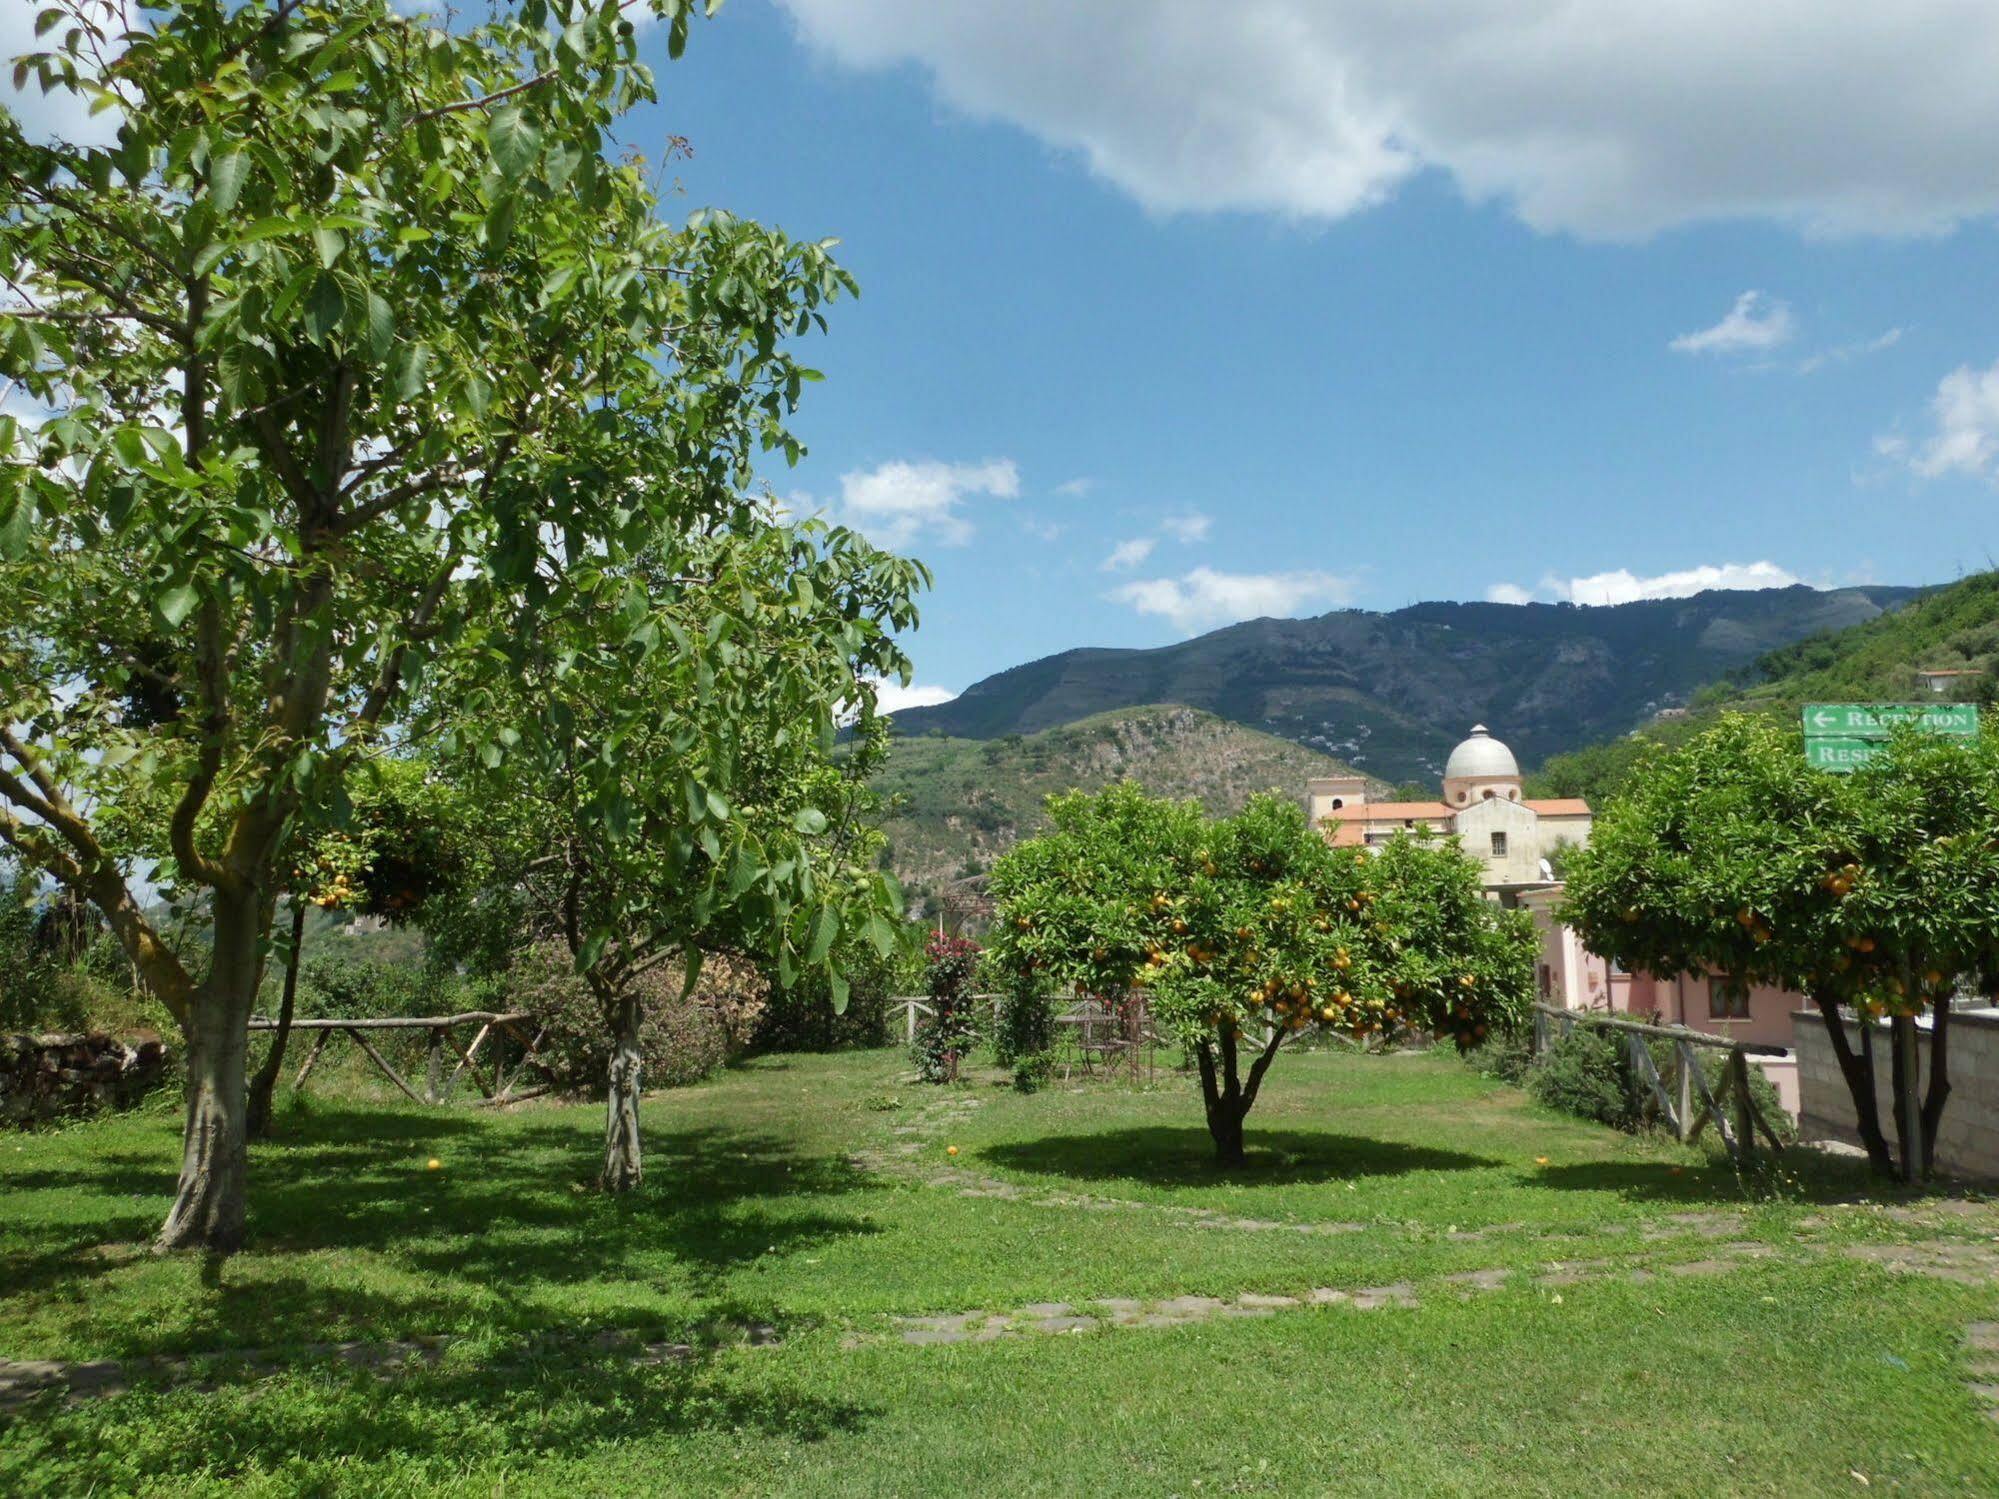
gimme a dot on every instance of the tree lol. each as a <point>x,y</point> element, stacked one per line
<point>1247,931</point>
<point>354,343</point>
<point>663,742</point>
<point>1873,894</point>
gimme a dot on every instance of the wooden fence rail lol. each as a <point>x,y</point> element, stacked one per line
<point>441,1032</point>
<point>1675,1100</point>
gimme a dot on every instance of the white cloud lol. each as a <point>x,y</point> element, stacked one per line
<point>1204,597</point>
<point>1846,353</point>
<point>1966,440</point>
<point>1188,526</point>
<point>893,697</point>
<point>1077,488</point>
<point>1754,323</point>
<point>1127,554</point>
<point>1508,593</point>
<point>1615,118</point>
<point>896,503</point>
<point>58,114</point>
<point>1623,586</point>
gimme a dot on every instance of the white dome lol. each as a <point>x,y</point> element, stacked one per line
<point>1481,758</point>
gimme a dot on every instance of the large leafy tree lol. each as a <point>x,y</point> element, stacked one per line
<point>1874,894</point>
<point>355,339</point>
<point>663,748</point>
<point>1252,929</point>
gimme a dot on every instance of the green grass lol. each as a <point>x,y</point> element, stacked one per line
<point>781,1192</point>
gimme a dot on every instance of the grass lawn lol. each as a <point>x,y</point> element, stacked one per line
<point>1626,1315</point>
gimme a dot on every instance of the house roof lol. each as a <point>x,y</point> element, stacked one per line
<point>1561,806</point>
<point>1388,811</point>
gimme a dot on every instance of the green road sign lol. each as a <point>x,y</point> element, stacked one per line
<point>1840,754</point>
<point>1844,736</point>
<point>1878,720</point>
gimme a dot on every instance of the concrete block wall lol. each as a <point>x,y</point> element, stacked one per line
<point>1968,1140</point>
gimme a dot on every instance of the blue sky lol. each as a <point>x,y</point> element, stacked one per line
<point>1420,397</point>
<point>1174,314</point>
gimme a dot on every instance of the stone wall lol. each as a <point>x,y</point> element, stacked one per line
<point>1968,1139</point>
<point>50,1077</point>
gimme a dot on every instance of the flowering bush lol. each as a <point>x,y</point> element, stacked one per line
<point>1251,930</point>
<point>680,1041</point>
<point>944,1038</point>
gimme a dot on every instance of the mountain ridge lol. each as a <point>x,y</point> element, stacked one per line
<point>1392,692</point>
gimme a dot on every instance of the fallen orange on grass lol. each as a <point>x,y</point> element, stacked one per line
<point>432,1164</point>
<point>1540,1160</point>
<point>950,1150</point>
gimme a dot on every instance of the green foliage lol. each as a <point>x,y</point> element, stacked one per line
<point>1256,920</point>
<point>1586,1073</point>
<point>802,1017</point>
<point>951,1029</point>
<point>1024,1031</point>
<point>1505,1055</point>
<point>682,1038</point>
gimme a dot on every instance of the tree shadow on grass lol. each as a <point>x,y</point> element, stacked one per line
<point>1165,1155</point>
<point>1801,1176</point>
<point>427,1426</point>
<point>499,1238</point>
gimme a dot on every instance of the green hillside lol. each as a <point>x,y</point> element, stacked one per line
<point>1955,627</point>
<point>957,803</point>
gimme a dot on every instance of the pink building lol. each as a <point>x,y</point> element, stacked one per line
<point>1571,976</point>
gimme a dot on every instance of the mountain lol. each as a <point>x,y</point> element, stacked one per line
<point>1392,693</point>
<point>956,803</point>
<point>1954,627</point>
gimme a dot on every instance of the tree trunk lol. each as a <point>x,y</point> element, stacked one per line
<point>265,1083</point>
<point>1939,1092</point>
<point>1222,1096</point>
<point>211,1201</point>
<point>1905,1059</point>
<point>1859,1074</point>
<point>623,1169</point>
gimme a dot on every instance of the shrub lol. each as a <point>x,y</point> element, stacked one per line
<point>1585,1073</point>
<point>945,1036</point>
<point>801,1018</point>
<point>680,1041</point>
<point>1506,1056</point>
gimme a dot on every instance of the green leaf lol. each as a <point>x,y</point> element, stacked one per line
<point>329,243</point>
<point>825,927</point>
<point>177,603</point>
<point>881,933</point>
<point>226,176</point>
<point>513,140</point>
<point>811,822</point>
<point>837,982</point>
<point>17,517</point>
<point>381,327</point>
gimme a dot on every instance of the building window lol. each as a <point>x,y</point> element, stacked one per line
<point>1724,1003</point>
<point>1499,845</point>
<point>1339,802</point>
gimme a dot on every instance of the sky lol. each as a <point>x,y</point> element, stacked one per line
<point>1175,314</point>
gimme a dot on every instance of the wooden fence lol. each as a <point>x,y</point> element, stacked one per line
<point>441,1033</point>
<point>1675,1099</point>
<point>1102,1034</point>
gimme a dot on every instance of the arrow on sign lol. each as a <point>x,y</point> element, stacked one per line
<point>1823,719</point>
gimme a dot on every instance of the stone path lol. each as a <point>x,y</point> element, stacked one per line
<point>22,1380</point>
<point>1981,1341</point>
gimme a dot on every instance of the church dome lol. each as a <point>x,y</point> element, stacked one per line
<point>1481,758</point>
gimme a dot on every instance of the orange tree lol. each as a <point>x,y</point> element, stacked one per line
<point>1874,894</point>
<point>1251,930</point>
